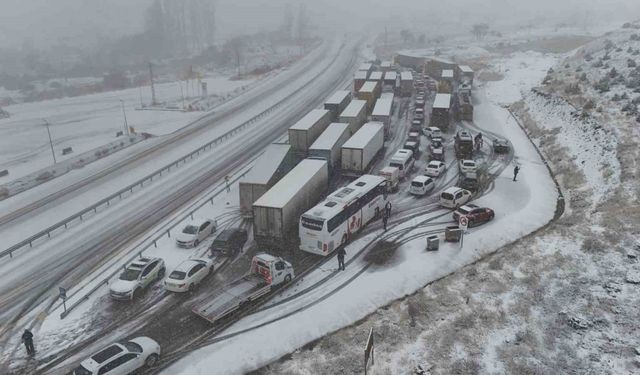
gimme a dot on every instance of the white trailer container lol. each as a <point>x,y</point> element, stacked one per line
<point>274,163</point>
<point>304,132</point>
<point>337,103</point>
<point>406,83</point>
<point>382,113</point>
<point>366,67</point>
<point>362,147</point>
<point>387,95</point>
<point>370,91</point>
<point>355,115</point>
<point>328,144</point>
<point>276,213</point>
<point>390,78</point>
<point>376,76</point>
<point>385,66</point>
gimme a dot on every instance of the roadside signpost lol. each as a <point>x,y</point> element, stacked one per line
<point>368,351</point>
<point>464,223</point>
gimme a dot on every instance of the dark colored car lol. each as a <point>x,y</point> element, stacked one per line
<point>476,215</point>
<point>229,242</point>
<point>501,146</point>
<point>411,145</point>
<point>469,181</point>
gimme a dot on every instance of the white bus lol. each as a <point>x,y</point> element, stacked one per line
<point>346,211</point>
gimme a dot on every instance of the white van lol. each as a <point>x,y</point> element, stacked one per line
<point>454,197</point>
<point>421,185</point>
<point>403,160</point>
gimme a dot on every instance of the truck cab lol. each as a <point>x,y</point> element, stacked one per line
<point>274,270</point>
<point>392,175</point>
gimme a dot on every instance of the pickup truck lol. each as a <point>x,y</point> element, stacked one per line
<point>266,272</point>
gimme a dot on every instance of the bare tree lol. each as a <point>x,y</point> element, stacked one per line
<point>480,30</point>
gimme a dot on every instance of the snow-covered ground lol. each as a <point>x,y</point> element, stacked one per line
<point>87,122</point>
<point>521,208</point>
<point>562,300</point>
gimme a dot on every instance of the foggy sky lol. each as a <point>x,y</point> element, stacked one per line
<point>43,23</point>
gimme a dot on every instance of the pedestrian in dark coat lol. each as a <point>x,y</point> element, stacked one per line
<point>387,209</point>
<point>515,172</point>
<point>341,254</point>
<point>27,339</point>
<point>385,218</point>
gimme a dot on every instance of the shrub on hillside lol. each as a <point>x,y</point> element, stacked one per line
<point>602,85</point>
<point>631,63</point>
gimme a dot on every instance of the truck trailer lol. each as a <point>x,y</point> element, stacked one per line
<point>440,111</point>
<point>337,103</point>
<point>369,92</point>
<point>266,272</point>
<point>359,78</point>
<point>406,83</point>
<point>382,113</point>
<point>304,132</point>
<point>390,79</point>
<point>274,163</point>
<point>328,144</point>
<point>355,115</point>
<point>276,213</point>
<point>360,150</point>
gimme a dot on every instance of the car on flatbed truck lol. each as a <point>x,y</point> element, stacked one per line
<point>266,272</point>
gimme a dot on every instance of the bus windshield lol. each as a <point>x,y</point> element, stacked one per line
<point>313,224</point>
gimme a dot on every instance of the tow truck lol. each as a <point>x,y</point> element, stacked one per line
<point>266,273</point>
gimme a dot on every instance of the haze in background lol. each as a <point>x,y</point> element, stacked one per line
<point>46,23</point>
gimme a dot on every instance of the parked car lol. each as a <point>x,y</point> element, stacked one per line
<point>435,168</point>
<point>229,242</point>
<point>433,132</point>
<point>121,358</point>
<point>454,197</point>
<point>501,146</point>
<point>466,165</point>
<point>469,181</point>
<point>137,276</point>
<point>195,232</point>
<point>421,185</point>
<point>188,274</point>
<point>476,215</point>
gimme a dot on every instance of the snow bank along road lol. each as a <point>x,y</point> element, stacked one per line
<point>66,258</point>
<point>68,194</point>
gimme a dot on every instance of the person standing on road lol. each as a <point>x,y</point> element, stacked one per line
<point>515,172</point>
<point>341,254</point>
<point>387,209</point>
<point>27,339</point>
<point>385,218</point>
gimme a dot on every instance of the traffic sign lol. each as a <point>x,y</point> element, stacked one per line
<point>63,293</point>
<point>464,222</point>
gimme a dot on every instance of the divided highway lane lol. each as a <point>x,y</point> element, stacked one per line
<point>129,220</point>
<point>70,193</point>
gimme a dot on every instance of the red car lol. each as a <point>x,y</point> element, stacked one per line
<point>476,215</point>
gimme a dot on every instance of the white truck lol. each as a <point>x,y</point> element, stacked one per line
<point>266,272</point>
<point>360,150</point>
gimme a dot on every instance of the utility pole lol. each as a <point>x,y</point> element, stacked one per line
<point>385,38</point>
<point>46,123</point>
<point>124,114</point>
<point>153,89</point>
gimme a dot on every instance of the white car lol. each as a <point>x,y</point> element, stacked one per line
<point>137,276</point>
<point>121,358</point>
<point>435,168</point>
<point>467,166</point>
<point>421,185</point>
<point>195,232</point>
<point>188,274</point>
<point>433,132</point>
<point>454,197</point>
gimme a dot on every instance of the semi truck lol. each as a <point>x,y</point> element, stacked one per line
<point>355,115</point>
<point>463,145</point>
<point>304,132</point>
<point>406,83</point>
<point>266,273</point>
<point>369,92</point>
<point>276,213</point>
<point>358,152</point>
<point>337,103</point>
<point>382,113</point>
<point>328,144</point>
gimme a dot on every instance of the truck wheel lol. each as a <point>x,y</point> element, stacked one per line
<point>287,279</point>
<point>151,360</point>
<point>135,294</point>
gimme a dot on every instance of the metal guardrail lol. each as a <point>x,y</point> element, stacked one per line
<point>129,189</point>
<point>165,232</point>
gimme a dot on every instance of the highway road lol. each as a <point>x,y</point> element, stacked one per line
<point>72,254</point>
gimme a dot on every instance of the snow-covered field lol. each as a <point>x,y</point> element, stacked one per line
<point>562,300</point>
<point>87,122</point>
